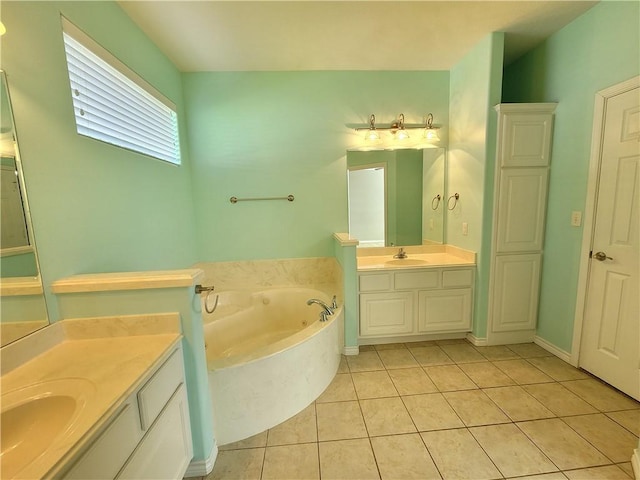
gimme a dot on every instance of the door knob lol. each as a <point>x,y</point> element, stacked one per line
<point>601,256</point>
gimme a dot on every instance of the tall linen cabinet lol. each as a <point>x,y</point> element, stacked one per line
<point>521,180</point>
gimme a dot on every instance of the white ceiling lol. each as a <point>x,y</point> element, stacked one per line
<point>342,35</point>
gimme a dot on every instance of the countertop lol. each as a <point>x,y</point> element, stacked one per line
<point>110,368</point>
<point>417,257</point>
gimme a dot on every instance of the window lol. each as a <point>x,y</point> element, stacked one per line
<point>115,105</point>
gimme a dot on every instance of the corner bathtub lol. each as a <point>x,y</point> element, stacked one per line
<point>268,356</point>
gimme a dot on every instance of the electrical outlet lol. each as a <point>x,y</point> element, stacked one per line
<point>465,228</point>
<point>576,219</point>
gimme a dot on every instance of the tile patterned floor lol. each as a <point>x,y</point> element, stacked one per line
<point>447,409</point>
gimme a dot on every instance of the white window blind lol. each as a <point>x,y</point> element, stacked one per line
<point>114,104</point>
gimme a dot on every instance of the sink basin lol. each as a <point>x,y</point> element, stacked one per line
<point>34,417</point>
<point>407,262</point>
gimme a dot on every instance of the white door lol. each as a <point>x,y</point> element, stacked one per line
<point>611,335</point>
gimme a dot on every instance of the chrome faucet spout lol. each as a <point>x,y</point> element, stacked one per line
<point>326,309</point>
<point>401,254</point>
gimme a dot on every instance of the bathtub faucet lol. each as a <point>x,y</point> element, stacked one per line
<point>326,309</point>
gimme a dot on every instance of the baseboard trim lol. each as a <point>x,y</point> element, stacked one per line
<point>202,468</point>
<point>355,350</point>
<point>549,347</point>
<point>477,341</point>
<point>635,463</point>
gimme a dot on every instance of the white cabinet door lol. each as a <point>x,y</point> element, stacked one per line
<point>386,313</point>
<point>444,310</point>
<point>521,209</point>
<point>166,450</point>
<point>525,139</point>
<point>515,292</point>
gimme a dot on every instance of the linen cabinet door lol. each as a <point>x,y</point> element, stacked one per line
<point>386,313</point>
<point>444,310</point>
<point>515,292</point>
<point>521,209</point>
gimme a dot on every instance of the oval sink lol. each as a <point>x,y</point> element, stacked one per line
<point>406,262</point>
<point>32,418</point>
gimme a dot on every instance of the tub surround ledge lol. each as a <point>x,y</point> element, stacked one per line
<point>102,282</point>
<point>107,360</point>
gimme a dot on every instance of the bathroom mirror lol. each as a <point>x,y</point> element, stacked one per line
<point>22,300</point>
<point>396,196</point>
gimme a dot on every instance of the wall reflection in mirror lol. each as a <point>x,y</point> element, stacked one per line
<point>396,196</point>
<point>22,305</point>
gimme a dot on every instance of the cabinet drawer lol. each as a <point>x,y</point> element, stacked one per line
<point>108,453</point>
<point>457,278</point>
<point>424,279</point>
<point>375,283</point>
<point>158,390</point>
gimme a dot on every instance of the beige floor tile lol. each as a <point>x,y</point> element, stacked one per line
<point>291,461</point>
<point>338,421</point>
<point>627,468</point>
<point>403,457</point>
<point>557,369</point>
<point>367,348</point>
<point>529,350</point>
<point>462,353</point>
<point>397,358</point>
<point>236,464</point>
<point>522,372</point>
<point>474,408</point>
<point>614,441</point>
<point>390,346</point>
<point>511,451</point>
<point>424,343</point>
<point>562,444</point>
<point>449,378</point>
<point>365,361</point>
<point>518,404</point>
<point>601,395</point>
<point>458,456</point>
<point>259,440</point>
<point>497,352</point>
<point>609,472</point>
<point>347,460</point>
<point>339,390</point>
<point>433,355</point>
<point>629,419</point>
<point>386,416</point>
<point>300,428</point>
<point>485,374</point>
<point>376,384</point>
<point>344,366</point>
<point>431,412</point>
<point>559,400</point>
<point>543,476</point>
<point>412,381</point>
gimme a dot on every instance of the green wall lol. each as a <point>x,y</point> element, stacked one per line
<point>597,50</point>
<point>95,207</point>
<point>476,83</point>
<point>260,134</point>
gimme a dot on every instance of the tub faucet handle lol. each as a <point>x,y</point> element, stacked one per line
<point>324,316</point>
<point>334,303</point>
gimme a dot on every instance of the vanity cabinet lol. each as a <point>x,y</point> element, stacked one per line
<point>149,437</point>
<point>521,179</point>
<point>415,302</point>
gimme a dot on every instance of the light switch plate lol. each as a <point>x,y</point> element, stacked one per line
<point>576,219</point>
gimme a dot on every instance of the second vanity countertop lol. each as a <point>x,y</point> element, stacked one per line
<point>102,371</point>
<point>382,258</point>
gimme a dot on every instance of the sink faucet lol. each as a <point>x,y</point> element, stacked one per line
<point>326,309</point>
<point>401,254</point>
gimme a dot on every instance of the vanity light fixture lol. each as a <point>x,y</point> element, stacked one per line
<point>399,129</point>
<point>372,134</point>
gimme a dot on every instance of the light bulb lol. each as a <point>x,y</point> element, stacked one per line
<point>3,29</point>
<point>431,134</point>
